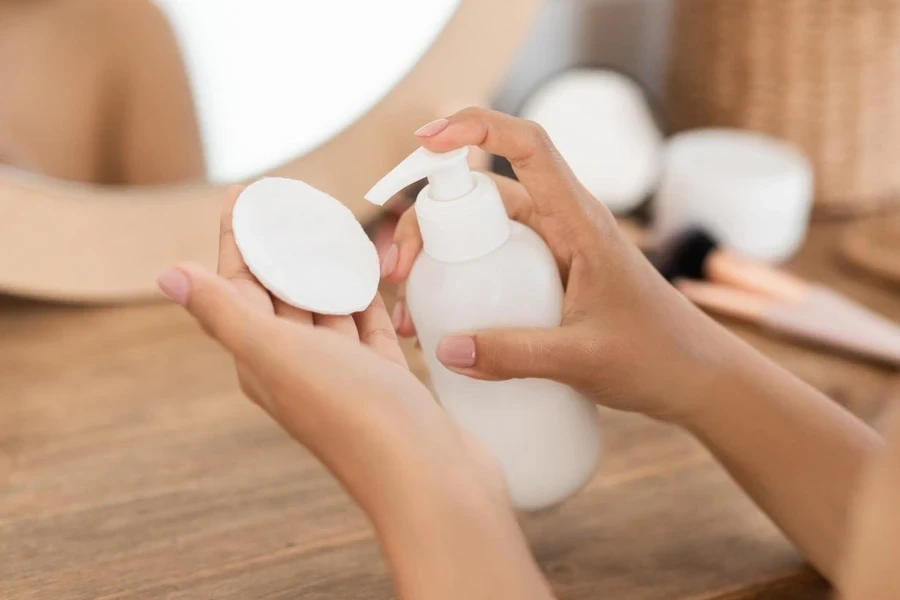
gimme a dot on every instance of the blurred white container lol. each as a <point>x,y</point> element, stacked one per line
<point>603,127</point>
<point>751,192</point>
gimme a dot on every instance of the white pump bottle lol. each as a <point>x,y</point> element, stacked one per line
<point>481,270</point>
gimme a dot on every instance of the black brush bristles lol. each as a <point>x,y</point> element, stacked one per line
<point>686,255</point>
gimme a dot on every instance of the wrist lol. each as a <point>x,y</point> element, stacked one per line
<point>448,535</point>
<point>735,374</point>
<point>707,379</point>
<point>442,475</point>
<point>427,459</point>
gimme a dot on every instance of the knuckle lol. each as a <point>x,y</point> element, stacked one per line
<point>470,112</point>
<point>494,358</point>
<point>602,352</point>
<point>539,136</point>
<point>242,274</point>
<point>378,333</point>
<point>535,140</point>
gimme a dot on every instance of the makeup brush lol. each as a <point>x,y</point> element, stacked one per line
<point>720,281</point>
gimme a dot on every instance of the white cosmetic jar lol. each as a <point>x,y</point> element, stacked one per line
<point>751,192</point>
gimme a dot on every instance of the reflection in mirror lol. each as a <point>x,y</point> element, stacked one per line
<point>274,79</point>
<point>121,120</point>
<point>95,92</point>
<point>138,92</point>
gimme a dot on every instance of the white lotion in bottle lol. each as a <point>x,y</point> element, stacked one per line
<point>481,270</point>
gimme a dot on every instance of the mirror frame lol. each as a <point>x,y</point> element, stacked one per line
<point>71,242</point>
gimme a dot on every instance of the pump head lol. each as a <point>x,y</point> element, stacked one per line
<point>448,176</point>
<point>461,214</point>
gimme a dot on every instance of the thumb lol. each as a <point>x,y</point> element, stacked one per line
<point>500,354</point>
<point>214,302</point>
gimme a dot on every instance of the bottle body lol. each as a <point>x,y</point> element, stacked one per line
<point>545,435</point>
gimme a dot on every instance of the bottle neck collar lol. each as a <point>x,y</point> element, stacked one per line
<point>464,229</point>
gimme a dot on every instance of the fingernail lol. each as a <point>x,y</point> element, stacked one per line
<point>433,128</point>
<point>391,257</point>
<point>457,351</point>
<point>175,285</point>
<point>399,314</point>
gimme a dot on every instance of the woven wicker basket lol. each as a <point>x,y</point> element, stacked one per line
<point>822,74</point>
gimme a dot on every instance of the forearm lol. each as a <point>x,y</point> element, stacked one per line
<point>869,568</point>
<point>455,539</point>
<point>795,452</point>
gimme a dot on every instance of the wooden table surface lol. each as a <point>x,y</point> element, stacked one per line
<point>131,468</point>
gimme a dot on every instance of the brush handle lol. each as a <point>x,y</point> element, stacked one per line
<point>821,318</point>
<point>727,267</point>
<point>869,332</point>
<point>824,328</point>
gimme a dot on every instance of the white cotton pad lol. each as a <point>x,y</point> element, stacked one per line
<point>305,247</point>
<point>603,127</point>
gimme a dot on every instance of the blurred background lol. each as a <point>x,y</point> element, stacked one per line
<point>152,106</point>
<point>242,59</point>
<point>768,128</point>
<point>243,56</point>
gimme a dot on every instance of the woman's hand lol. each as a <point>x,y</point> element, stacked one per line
<point>631,341</point>
<point>339,385</point>
<point>627,339</point>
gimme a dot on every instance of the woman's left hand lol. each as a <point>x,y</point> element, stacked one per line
<point>339,385</point>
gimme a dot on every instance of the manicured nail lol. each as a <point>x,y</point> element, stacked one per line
<point>457,351</point>
<point>399,314</point>
<point>433,128</point>
<point>391,257</point>
<point>175,285</point>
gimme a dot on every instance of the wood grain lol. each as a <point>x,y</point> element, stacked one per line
<point>131,468</point>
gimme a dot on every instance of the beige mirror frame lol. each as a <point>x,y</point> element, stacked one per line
<point>69,242</point>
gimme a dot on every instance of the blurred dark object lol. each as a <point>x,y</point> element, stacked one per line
<point>685,256</point>
<point>822,74</point>
<point>874,246</point>
<point>725,283</point>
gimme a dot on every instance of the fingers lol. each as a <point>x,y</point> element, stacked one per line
<point>376,331</point>
<point>526,146</point>
<point>401,320</point>
<point>343,325</point>
<point>501,354</point>
<point>231,263</point>
<point>399,258</point>
<point>292,313</point>
<point>233,267</point>
<point>217,305</point>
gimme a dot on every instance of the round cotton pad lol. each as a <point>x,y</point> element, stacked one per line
<point>305,247</point>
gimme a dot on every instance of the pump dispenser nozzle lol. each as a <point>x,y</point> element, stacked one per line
<point>460,213</point>
<point>447,173</point>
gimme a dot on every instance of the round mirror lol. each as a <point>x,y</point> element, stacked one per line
<point>272,79</point>
<point>120,122</point>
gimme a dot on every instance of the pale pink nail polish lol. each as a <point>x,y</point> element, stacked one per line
<point>433,128</point>
<point>399,314</point>
<point>175,284</point>
<point>457,351</point>
<point>391,258</point>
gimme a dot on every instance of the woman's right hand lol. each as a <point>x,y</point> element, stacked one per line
<point>628,339</point>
